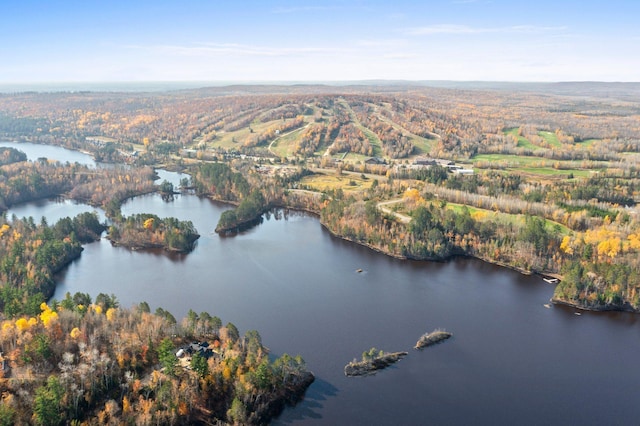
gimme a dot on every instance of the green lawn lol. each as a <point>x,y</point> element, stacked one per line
<point>423,145</point>
<point>535,165</point>
<point>549,171</point>
<point>374,140</point>
<point>506,218</point>
<point>352,157</point>
<point>551,139</point>
<point>522,141</point>
<point>285,145</point>
<point>518,160</point>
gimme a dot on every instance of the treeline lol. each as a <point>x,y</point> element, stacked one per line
<point>311,139</point>
<point>600,285</point>
<point>13,126</point>
<point>601,266</point>
<point>218,180</point>
<point>248,211</point>
<point>11,155</point>
<point>78,362</point>
<point>30,254</point>
<point>436,232</point>
<point>26,181</point>
<point>103,187</point>
<point>394,143</point>
<point>150,231</point>
<point>350,138</point>
<point>577,204</point>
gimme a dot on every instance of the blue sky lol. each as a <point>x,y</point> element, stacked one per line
<point>188,40</point>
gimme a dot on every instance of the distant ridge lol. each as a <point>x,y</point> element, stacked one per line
<point>598,89</point>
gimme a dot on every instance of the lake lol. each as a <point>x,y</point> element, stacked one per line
<point>511,360</point>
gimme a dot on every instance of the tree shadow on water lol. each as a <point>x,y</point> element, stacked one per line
<point>311,406</point>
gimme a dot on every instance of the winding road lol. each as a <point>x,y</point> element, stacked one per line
<point>382,206</point>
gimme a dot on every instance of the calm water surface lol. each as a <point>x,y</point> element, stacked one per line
<point>511,360</point>
<point>35,151</point>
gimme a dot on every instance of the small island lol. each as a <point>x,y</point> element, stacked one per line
<point>429,339</point>
<point>246,215</point>
<point>148,231</point>
<point>372,361</point>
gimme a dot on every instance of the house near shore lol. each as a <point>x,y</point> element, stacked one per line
<point>99,141</point>
<point>201,348</point>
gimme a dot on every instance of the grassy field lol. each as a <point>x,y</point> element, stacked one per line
<point>516,160</point>
<point>374,140</point>
<point>423,145</point>
<point>353,157</point>
<point>348,183</point>
<point>535,166</point>
<point>500,217</point>
<point>549,171</point>
<point>522,141</point>
<point>235,139</point>
<point>285,145</point>
<point>551,139</point>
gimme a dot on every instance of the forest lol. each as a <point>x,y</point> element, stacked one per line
<point>78,362</point>
<point>541,179</point>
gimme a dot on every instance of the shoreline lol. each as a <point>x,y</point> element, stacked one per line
<point>444,259</point>
<point>606,308</point>
<point>258,219</point>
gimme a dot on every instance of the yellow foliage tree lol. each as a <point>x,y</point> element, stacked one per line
<point>565,245</point>
<point>412,194</point>
<point>609,247</point>
<point>48,317</point>
<point>148,224</point>
<point>634,241</point>
<point>126,405</point>
<point>111,312</point>
<point>22,324</point>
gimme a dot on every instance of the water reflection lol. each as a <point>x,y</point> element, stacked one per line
<point>314,401</point>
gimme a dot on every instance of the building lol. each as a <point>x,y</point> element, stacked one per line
<point>462,171</point>
<point>374,160</point>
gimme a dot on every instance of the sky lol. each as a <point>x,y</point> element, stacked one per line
<point>331,40</point>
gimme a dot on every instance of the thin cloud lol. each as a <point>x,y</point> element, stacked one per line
<point>232,49</point>
<point>465,29</point>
